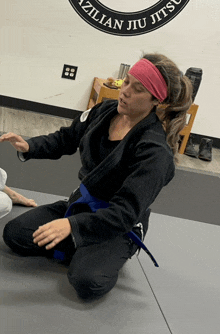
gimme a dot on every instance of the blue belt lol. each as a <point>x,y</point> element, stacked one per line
<point>95,204</point>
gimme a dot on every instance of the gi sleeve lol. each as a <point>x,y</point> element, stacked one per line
<point>63,142</point>
<point>53,146</point>
<point>150,170</point>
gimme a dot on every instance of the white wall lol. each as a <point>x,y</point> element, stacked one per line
<point>38,37</point>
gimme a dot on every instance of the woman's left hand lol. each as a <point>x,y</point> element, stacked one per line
<point>52,233</point>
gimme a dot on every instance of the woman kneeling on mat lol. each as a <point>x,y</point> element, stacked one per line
<point>128,156</point>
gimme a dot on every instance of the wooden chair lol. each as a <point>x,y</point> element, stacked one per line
<point>187,129</point>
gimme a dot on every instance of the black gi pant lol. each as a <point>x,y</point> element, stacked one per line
<point>93,270</point>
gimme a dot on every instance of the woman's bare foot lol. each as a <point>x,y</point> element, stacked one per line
<point>18,198</point>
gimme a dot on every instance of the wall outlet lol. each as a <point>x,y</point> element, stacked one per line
<point>69,72</point>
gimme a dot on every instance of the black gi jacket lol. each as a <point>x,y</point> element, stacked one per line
<point>129,178</point>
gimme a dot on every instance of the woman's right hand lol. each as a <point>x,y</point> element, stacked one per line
<point>16,141</point>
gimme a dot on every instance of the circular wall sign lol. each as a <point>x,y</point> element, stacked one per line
<point>128,18</point>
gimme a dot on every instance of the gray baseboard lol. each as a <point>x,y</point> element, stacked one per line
<point>20,104</point>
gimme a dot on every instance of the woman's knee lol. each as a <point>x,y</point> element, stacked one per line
<point>18,238</point>
<point>91,285</point>
<point>11,234</point>
<point>9,231</point>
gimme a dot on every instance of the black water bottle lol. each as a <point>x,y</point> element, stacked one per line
<point>195,76</point>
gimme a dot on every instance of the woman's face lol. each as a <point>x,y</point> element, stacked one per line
<point>134,99</point>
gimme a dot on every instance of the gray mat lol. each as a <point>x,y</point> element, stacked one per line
<point>181,296</point>
<point>36,297</point>
<point>187,284</point>
<point>189,195</point>
<point>192,196</point>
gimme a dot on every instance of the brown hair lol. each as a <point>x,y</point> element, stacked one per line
<point>172,112</point>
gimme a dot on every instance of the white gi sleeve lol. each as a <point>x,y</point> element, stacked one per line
<point>3,178</point>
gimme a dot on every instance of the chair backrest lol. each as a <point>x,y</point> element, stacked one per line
<point>188,127</point>
<point>192,114</point>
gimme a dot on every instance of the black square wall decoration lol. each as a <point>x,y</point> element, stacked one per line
<point>69,72</point>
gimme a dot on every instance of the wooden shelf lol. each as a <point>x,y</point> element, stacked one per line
<point>100,93</point>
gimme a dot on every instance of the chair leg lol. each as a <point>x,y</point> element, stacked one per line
<point>183,144</point>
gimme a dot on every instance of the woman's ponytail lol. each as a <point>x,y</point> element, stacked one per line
<point>174,108</point>
<point>174,118</point>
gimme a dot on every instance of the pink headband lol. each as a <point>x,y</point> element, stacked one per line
<point>148,74</point>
